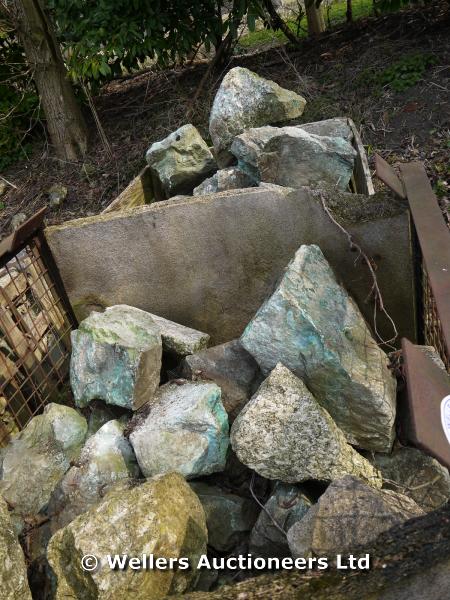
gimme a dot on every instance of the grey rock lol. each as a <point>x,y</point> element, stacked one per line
<point>246,100</point>
<point>116,357</point>
<point>283,433</point>
<point>17,220</point>
<point>314,328</point>
<point>337,127</point>
<point>37,459</point>
<point>231,178</point>
<point>56,194</point>
<point>185,430</point>
<point>162,516</point>
<point>230,366</point>
<point>415,474</point>
<point>106,458</point>
<point>13,571</point>
<point>180,340</point>
<point>293,157</point>
<point>100,414</point>
<point>286,506</point>
<point>347,515</point>
<point>182,160</point>
<point>229,518</point>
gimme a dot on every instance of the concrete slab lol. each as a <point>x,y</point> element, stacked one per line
<point>208,262</point>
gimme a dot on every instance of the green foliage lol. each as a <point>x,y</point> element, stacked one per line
<point>19,104</point>
<point>103,38</point>
<point>406,72</point>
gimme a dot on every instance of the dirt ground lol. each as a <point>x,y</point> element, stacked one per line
<point>334,73</point>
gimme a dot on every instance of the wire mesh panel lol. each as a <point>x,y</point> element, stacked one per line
<point>35,325</point>
<point>432,326</point>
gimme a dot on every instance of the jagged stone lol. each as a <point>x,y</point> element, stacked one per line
<point>105,459</point>
<point>182,160</point>
<point>283,433</point>
<point>116,357</point>
<point>184,430</point>
<point>350,513</point>
<point>229,518</point>
<point>286,506</point>
<point>180,340</point>
<point>230,366</point>
<point>246,100</point>
<point>293,157</point>
<point>415,474</point>
<point>314,328</point>
<point>231,178</point>
<point>13,571</point>
<point>37,459</point>
<point>162,516</point>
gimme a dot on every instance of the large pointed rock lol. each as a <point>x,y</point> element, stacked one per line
<point>184,430</point>
<point>283,433</point>
<point>106,458</point>
<point>37,459</point>
<point>246,100</point>
<point>182,160</point>
<point>116,357</point>
<point>347,515</point>
<point>294,157</point>
<point>231,178</point>
<point>314,328</point>
<point>162,516</point>
<point>13,571</point>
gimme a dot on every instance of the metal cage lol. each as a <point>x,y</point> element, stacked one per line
<point>35,323</point>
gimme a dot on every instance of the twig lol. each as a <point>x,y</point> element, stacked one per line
<point>9,182</point>
<point>263,507</point>
<point>375,290</point>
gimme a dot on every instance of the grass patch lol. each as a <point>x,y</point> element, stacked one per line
<point>334,14</point>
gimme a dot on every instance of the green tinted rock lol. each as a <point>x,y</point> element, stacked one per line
<point>13,571</point>
<point>162,516</point>
<point>116,357</point>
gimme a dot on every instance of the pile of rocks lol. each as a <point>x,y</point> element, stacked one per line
<point>146,461</point>
<point>248,150</point>
<point>277,444</point>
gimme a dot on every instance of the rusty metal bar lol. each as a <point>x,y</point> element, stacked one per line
<point>434,240</point>
<point>427,386</point>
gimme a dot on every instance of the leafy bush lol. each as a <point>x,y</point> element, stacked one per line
<point>103,38</point>
<point>406,72</point>
<point>19,103</point>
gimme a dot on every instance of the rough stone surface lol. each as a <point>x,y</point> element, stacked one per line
<point>417,475</point>
<point>37,459</point>
<point>185,430</point>
<point>13,571</point>
<point>182,160</point>
<point>286,506</point>
<point>283,433</point>
<point>293,157</point>
<point>162,516</point>
<point>237,244</point>
<point>246,100</point>
<point>229,518</point>
<point>347,515</point>
<point>106,458</point>
<point>116,357</point>
<point>337,127</point>
<point>178,339</point>
<point>231,178</point>
<point>315,329</point>
<point>230,366</point>
<point>100,414</point>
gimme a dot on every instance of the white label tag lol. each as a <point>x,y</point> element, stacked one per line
<point>445,416</point>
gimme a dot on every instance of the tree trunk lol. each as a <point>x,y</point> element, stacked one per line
<point>277,22</point>
<point>65,122</point>
<point>314,17</point>
<point>349,13</point>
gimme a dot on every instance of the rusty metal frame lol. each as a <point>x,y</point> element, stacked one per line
<point>35,323</point>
